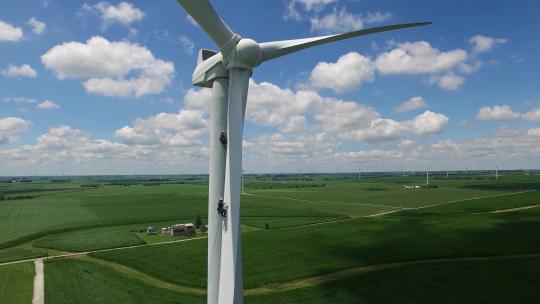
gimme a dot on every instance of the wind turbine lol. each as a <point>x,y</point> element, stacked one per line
<point>227,72</point>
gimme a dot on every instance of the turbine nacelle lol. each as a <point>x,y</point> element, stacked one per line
<point>246,54</point>
<point>208,70</point>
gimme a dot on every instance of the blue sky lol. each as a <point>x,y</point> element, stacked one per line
<point>105,87</point>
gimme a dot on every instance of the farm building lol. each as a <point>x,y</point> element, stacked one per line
<point>181,229</point>
<point>166,230</point>
<point>150,230</point>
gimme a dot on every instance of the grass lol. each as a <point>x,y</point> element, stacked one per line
<point>90,239</point>
<point>16,283</point>
<point>14,254</point>
<point>287,254</point>
<point>166,262</point>
<point>501,281</point>
<point>283,222</point>
<point>497,281</point>
<point>74,209</point>
<point>273,256</point>
<point>76,281</point>
<point>358,198</point>
<point>25,220</point>
<point>481,205</point>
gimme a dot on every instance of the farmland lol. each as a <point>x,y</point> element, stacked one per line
<point>322,239</point>
<point>16,283</point>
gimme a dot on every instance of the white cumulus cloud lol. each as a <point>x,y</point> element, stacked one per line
<point>418,58</point>
<point>19,99</point>
<point>534,132</point>
<point>10,33</point>
<point>187,44</point>
<point>450,81</point>
<point>38,27</point>
<point>340,21</point>
<point>444,68</point>
<point>482,44</point>
<point>497,112</point>
<point>348,73</point>
<point>47,105</point>
<point>24,70</point>
<point>532,115</point>
<point>11,127</point>
<point>183,129</point>
<point>428,123</point>
<point>411,104</point>
<point>124,13</point>
<point>381,129</point>
<point>106,65</point>
<point>291,11</point>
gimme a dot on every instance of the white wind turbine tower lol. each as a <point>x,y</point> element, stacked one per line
<point>227,72</point>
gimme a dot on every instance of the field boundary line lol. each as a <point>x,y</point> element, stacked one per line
<point>143,277</point>
<point>39,283</point>
<point>310,201</point>
<point>74,254</point>
<point>511,209</point>
<point>446,203</point>
<point>341,274</point>
<point>300,283</point>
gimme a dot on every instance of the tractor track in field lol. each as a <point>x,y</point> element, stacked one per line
<point>75,254</point>
<point>317,201</point>
<point>510,209</point>
<point>341,274</point>
<point>300,226</point>
<point>398,209</point>
<point>272,287</point>
<point>296,284</point>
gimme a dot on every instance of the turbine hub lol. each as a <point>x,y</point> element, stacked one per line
<point>247,54</point>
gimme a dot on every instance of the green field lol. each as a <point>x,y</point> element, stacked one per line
<point>307,230</point>
<point>14,254</point>
<point>501,281</point>
<point>29,219</point>
<point>497,281</point>
<point>84,282</point>
<point>16,283</point>
<point>275,256</point>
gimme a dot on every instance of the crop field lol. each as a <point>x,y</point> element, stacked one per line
<point>322,239</point>
<point>16,283</point>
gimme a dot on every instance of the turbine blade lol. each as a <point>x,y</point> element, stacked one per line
<point>203,12</point>
<point>277,49</point>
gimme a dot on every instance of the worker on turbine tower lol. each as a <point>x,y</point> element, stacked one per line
<point>222,208</point>
<point>223,139</point>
